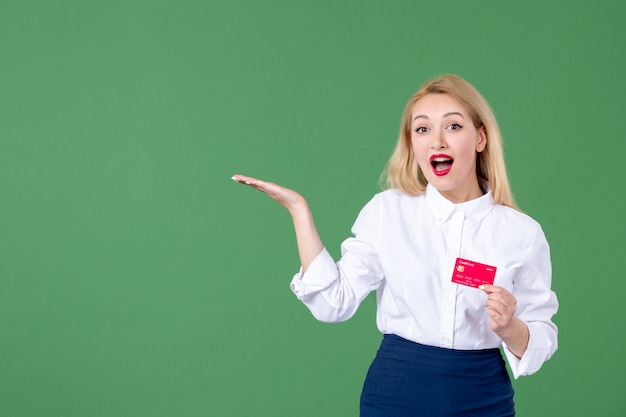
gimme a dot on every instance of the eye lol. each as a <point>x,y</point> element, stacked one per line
<point>455,126</point>
<point>421,129</point>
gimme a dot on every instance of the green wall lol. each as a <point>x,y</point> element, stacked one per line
<point>136,279</point>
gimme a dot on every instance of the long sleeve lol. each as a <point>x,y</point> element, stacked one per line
<point>537,303</point>
<point>333,291</point>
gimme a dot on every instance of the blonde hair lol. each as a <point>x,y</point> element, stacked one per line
<point>403,172</point>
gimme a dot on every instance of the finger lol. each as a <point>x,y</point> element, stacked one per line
<point>243,179</point>
<point>253,182</point>
<point>493,314</point>
<point>501,298</point>
<point>501,317</point>
<point>490,288</point>
<point>498,296</point>
<point>499,307</point>
<point>497,321</point>
<point>505,298</point>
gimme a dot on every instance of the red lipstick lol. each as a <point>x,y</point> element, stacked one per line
<point>441,164</point>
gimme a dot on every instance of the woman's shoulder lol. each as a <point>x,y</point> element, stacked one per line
<point>517,218</point>
<point>388,209</point>
<point>389,201</point>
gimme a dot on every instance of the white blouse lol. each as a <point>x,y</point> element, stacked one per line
<point>405,248</point>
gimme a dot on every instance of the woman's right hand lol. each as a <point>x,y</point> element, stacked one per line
<point>307,238</point>
<point>289,199</point>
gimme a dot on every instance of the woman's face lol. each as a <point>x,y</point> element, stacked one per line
<point>445,143</point>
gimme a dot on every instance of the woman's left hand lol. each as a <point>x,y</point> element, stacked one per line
<point>501,306</point>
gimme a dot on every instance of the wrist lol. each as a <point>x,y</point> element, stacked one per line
<point>516,336</point>
<point>299,208</point>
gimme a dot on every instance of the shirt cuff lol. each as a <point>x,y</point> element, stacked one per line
<point>538,351</point>
<point>320,274</point>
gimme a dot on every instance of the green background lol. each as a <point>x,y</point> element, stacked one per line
<point>136,279</point>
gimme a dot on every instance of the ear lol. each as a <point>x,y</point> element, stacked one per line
<point>482,139</point>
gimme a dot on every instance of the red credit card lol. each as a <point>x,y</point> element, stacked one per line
<point>472,273</point>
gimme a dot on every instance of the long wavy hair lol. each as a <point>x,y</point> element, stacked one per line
<point>403,172</point>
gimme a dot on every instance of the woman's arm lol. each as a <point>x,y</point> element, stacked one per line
<point>501,306</point>
<point>523,320</point>
<point>308,240</point>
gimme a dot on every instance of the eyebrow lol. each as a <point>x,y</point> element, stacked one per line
<point>423,116</point>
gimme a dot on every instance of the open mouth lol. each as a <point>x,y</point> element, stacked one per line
<point>441,164</point>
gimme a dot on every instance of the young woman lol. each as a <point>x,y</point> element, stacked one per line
<point>458,270</point>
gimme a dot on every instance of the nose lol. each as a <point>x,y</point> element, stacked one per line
<point>439,140</point>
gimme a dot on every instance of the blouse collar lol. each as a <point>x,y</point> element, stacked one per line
<point>443,209</point>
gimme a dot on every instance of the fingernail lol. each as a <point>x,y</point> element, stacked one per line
<point>481,287</point>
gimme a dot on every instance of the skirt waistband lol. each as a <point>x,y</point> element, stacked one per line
<point>486,364</point>
<point>393,339</point>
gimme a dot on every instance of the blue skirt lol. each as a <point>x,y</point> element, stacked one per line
<point>409,379</point>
